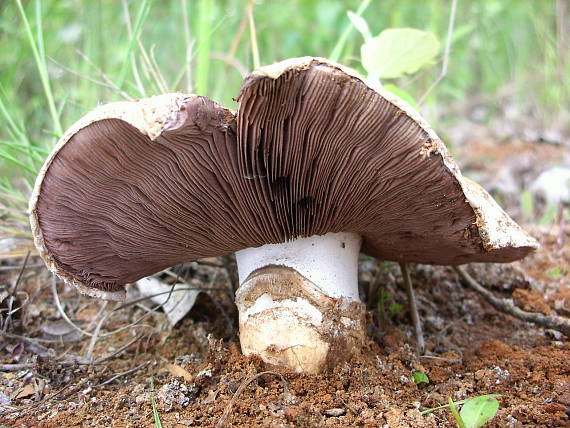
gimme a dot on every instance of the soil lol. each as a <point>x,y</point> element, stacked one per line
<point>197,377</point>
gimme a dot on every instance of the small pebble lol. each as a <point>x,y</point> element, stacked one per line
<point>4,399</point>
<point>334,412</point>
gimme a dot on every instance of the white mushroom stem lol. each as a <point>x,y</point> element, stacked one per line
<point>298,301</point>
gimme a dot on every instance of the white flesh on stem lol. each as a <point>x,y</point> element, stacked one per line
<point>298,301</point>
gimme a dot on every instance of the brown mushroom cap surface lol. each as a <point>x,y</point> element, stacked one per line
<point>134,188</point>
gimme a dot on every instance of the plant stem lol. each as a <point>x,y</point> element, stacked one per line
<point>336,52</point>
<point>203,46</point>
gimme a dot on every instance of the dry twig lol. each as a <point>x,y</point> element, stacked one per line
<point>508,307</point>
<point>70,363</point>
<point>15,367</point>
<point>62,312</point>
<point>89,352</point>
<point>447,360</point>
<point>125,373</point>
<point>5,323</point>
<point>405,267</point>
<point>10,268</point>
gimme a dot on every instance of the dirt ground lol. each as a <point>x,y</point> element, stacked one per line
<point>197,376</point>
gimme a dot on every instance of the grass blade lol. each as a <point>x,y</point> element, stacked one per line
<point>41,65</point>
<point>142,15</point>
<point>253,36</point>
<point>204,46</point>
<point>337,51</point>
<point>155,414</point>
<point>15,161</point>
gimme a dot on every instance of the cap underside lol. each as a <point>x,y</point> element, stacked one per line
<point>314,150</point>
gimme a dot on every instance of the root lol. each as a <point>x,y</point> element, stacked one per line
<point>553,322</point>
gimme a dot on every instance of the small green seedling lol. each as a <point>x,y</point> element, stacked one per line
<point>386,305</point>
<point>475,412</point>
<point>555,273</point>
<point>394,309</point>
<point>420,377</point>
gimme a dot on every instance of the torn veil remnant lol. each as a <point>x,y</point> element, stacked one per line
<point>315,167</point>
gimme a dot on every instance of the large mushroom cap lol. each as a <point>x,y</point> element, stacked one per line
<point>136,187</point>
<point>340,156</point>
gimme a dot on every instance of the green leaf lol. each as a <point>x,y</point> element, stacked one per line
<point>360,24</point>
<point>527,205</point>
<point>477,411</point>
<point>555,273</point>
<point>419,377</point>
<point>395,308</point>
<point>398,51</point>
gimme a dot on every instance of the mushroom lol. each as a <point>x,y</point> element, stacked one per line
<point>315,167</point>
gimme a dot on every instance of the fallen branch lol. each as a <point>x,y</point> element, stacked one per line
<point>553,322</point>
<point>15,367</point>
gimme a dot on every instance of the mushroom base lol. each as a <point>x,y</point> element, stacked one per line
<point>289,322</point>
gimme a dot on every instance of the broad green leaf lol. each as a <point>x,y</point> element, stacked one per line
<point>477,411</point>
<point>419,377</point>
<point>360,24</point>
<point>395,52</point>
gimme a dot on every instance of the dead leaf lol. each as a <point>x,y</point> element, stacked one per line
<point>61,330</point>
<point>87,314</point>
<point>176,304</point>
<point>178,371</point>
<point>210,398</point>
<point>26,392</point>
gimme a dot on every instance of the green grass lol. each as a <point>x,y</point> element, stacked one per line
<point>60,59</point>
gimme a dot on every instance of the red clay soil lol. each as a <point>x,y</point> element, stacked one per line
<point>199,379</point>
